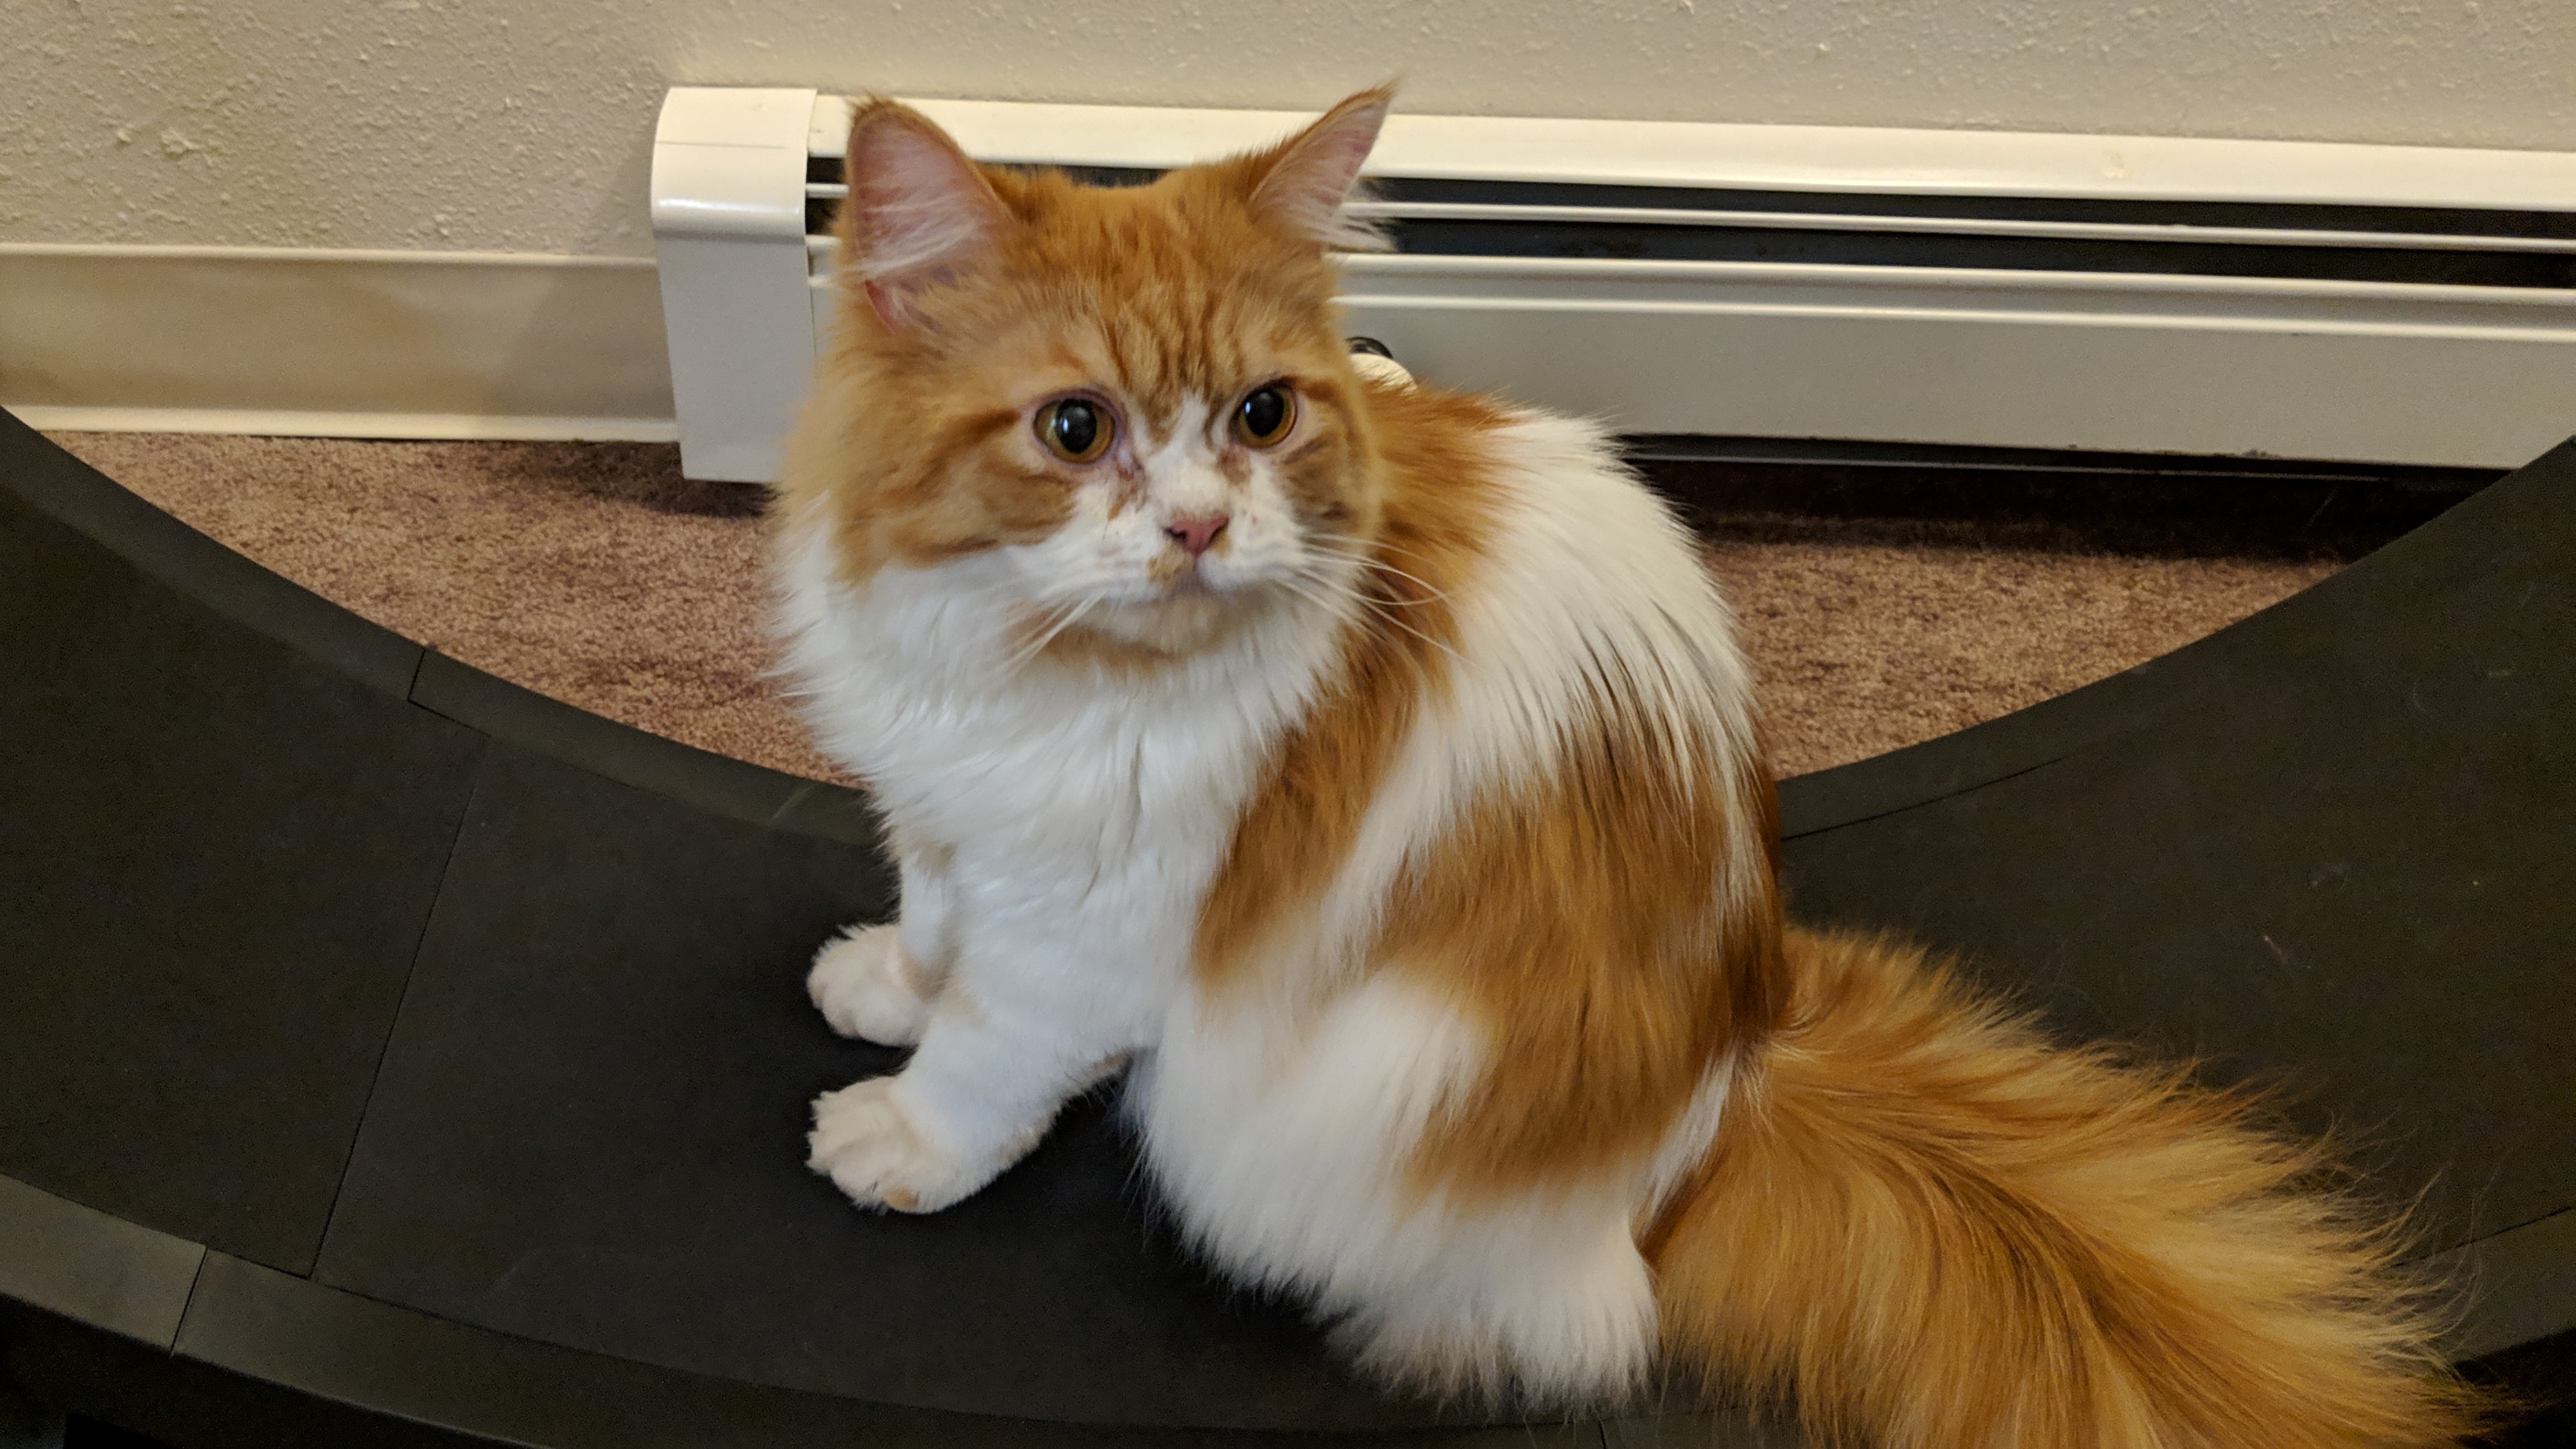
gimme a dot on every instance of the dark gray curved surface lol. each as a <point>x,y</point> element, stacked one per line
<point>389,1055</point>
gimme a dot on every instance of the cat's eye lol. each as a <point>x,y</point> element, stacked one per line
<point>1266,414</point>
<point>1075,429</point>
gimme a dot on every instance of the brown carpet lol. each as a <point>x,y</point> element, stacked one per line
<point>596,574</point>
<point>592,572</point>
<point>1867,646</point>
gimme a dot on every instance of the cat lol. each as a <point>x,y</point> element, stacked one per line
<point>1371,771</point>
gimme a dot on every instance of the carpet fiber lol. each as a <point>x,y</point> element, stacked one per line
<point>595,573</point>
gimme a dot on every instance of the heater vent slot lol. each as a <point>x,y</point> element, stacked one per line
<point>2419,245</point>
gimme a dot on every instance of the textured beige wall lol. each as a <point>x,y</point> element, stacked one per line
<point>525,124</point>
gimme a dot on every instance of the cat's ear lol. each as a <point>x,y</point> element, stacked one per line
<point>919,209</point>
<point>1305,179</point>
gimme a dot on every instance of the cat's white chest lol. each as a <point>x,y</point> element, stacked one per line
<point>1054,777</point>
<point>915,684</point>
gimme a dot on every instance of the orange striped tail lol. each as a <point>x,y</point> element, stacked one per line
<point>1931,1229</point>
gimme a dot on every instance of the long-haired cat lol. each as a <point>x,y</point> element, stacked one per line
<point>1374,771</point>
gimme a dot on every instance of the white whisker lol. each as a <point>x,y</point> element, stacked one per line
<point>1323,596</point>
<point>1373,560</point>
<point>1382,609</point>
<point>1029,653</point>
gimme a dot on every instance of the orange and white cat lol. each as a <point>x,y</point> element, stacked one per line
<point>1374,772</point>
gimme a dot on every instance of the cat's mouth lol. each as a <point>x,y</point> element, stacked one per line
<point>1185,613</point>
<point>1179,575</point>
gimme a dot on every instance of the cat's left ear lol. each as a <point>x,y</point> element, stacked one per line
<point>1305,179</point>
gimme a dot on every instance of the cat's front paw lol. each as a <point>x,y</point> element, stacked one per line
<point>869,1146</point>
<point>867,986</point>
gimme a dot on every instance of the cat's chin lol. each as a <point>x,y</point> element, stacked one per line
<point>1186,620</point>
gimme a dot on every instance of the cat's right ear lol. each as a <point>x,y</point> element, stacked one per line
<point>919,209</point>
<point>1303,181</point>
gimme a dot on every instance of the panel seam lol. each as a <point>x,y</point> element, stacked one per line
<point>411,974</point>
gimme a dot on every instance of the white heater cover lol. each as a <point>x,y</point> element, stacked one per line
<point>2132,294</point>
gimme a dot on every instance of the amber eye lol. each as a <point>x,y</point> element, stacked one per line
<point>1075,429</point>
<point>1266,414</point>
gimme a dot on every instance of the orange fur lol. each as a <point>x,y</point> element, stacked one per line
<point>915,446</point>
<point>1917,1218</point>
<point>1577,917</point>
<point>1934,1229</point>
<point>1433,504</point>
<point>1584,921</point>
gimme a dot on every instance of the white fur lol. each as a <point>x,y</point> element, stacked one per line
<point>868,1138</point>
<point>1381,369</point>
<point>1058,838</point>
<point>859,984</point>
<point>1075,823</point>
<point>1281,1140</point>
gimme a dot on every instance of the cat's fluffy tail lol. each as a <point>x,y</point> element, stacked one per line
<point>1933,1230</point>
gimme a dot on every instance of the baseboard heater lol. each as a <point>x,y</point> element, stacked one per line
<point>2140,295</point>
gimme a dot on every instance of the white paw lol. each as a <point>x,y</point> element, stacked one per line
<point>866,1143</point>
<point>867,986</point>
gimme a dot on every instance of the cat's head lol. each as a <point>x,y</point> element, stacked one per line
<point>1132,407</point>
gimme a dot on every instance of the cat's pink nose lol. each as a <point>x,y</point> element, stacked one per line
<point>1196,533</point>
